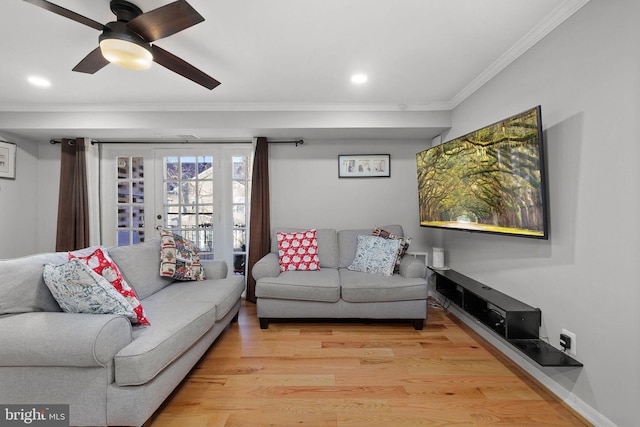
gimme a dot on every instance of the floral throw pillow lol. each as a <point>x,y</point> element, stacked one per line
<point>78,289</point>
<point>298,251</point>
<point>404,244</point>
<point>375,255</point>
<point>179,257</point>
<point>100,262</point>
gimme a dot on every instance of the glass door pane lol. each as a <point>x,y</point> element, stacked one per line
<point>240,198</point>
<point>188,183</point>
<point>130,200</point>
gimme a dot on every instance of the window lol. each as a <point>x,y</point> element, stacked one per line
<point>239,206</point>
<point>130,200</point>
<point>200,192</point>
<point>188,199</point>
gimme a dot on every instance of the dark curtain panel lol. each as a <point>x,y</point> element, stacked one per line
<point>259,223</point>
<point>73,206</point>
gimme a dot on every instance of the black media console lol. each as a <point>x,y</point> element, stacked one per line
<point>512,320</point>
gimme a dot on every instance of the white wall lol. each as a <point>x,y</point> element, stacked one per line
<point>306,191</point>
<point>19,202</point>
<point>585,75</point>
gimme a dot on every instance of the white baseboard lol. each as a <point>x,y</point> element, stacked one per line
<point>574,402</point>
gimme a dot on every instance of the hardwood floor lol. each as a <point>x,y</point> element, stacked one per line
<point>352,374</point>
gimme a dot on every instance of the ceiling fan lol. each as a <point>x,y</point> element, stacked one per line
<point>127,41</point>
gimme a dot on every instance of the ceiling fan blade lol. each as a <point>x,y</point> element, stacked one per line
<point>165,20</point>
<point>67,13</point>
<point>177,65</point>
<point>91,63</point>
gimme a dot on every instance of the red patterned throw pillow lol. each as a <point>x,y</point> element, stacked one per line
<point>298,251</point>
<point>100,262</point>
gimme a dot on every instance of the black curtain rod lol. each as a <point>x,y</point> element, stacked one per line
<point>71,141</point>
<point>93,141</point>
<point>276,141</point>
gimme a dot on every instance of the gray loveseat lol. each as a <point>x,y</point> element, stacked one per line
<point>334,291</point>
<point>109,372</point>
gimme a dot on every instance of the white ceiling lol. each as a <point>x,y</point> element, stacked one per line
<point>276,56</point>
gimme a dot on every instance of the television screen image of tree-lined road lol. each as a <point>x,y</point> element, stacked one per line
<point>489,180</point>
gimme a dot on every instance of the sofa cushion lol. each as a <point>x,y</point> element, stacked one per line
<point>179,257</point>
<point>215,268</point>
<point>78,289</point>
<point>375,255</point>
<point>364,287</point>
<point>298,251</point>
<point>176,326</point>
<point>348,242</point>
<point>327,244</point>
<point>100,262</point>
<point>223,293</point>
<point>22,287</point>
<point>322,285</point>
<point>140,264</point>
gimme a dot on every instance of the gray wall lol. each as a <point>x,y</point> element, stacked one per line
<point>19,202</point>
<point>585,278</point>
<point>29,204</point>
<point>48,192</point>
<point>306,190</point>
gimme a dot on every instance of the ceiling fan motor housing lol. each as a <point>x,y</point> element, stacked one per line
<point>119,30</point>
<point>124,10</point>
<point>124,47</point>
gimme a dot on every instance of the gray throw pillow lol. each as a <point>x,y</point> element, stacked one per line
<point>78,289</point>
<point>375,255</point>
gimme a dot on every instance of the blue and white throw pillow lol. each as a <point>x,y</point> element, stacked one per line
<point>375,255</point>
<point>78,289</point>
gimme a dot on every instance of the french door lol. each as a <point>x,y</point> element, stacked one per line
<point>201,193</point>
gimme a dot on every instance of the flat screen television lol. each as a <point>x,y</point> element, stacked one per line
<point>492,180</point>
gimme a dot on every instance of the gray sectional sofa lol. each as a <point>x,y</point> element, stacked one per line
<point>108,371</point>
<point>334,291</point>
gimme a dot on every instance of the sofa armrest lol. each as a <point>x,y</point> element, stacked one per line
<point>267,266</point>
<point>413,268</point>
<point>62,339</point>
<point>214,269</point>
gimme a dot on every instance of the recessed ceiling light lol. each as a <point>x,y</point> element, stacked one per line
<point>39,81</point>
<point>359,78</point>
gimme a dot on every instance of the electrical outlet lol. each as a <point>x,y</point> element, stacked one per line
<point>572,348</point>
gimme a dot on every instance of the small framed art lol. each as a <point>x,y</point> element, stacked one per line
<point>364,166</point>
<point>7,160</point>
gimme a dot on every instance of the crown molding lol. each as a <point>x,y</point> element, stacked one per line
<point>548,24</point>
<point>228,107</point>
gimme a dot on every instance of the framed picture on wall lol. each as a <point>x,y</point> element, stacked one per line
<point>364,166</point>
<point>7,160</point>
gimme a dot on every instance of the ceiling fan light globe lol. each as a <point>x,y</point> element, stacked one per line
<point>126,54</point>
